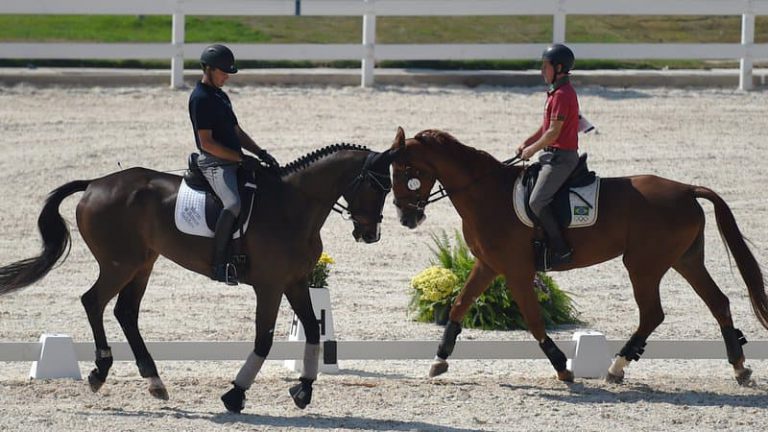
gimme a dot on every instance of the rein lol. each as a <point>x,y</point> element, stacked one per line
<point>442,192</point>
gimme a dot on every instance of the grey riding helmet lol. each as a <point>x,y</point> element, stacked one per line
<point>559,54</point>
<point>219,57</point>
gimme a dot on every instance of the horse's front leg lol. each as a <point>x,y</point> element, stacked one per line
<point>267,306</point>
<point>477,282</point>
<point>521,287</point>
<point>301,302</point>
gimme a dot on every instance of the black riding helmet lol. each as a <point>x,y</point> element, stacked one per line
<point>559,54</point>
<point>219,57</point>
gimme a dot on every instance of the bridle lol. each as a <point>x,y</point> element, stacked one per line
<point>377,180</point>
<point>414,184</point>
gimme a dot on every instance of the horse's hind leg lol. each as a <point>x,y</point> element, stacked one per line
<point>108,284</point>
<point>691,267</point>
<point>127,314</point>
<point>301,302</point>
<point>477,282</point>
<point>645,285</point>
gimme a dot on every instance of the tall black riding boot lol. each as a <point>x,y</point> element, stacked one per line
<point>561,252</point>
<point>223,271</point>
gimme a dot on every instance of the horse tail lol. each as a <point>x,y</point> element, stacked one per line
<point>745,261</point>
<point>56,243</point>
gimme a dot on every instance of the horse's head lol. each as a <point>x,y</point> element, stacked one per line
<point>413,179</point>
<point>365,196</point>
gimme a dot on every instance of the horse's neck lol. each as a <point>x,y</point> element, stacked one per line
<point>322,183</point>
<point>458,166</point>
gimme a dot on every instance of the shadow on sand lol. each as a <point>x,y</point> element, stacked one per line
<point>632,393</point>
<point>309,421</point>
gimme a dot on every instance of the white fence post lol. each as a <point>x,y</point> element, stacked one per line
<point>558,24</point>
<point>177,40</point>
<point>747,41</point>
<point>369,42</point>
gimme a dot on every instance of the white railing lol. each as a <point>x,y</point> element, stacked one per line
<point>385,350</point>
<point>368,51</point>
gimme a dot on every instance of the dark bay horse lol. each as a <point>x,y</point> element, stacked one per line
<point>127,221</point>
<point>655,223</point>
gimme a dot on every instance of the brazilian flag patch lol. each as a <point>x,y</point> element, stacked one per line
<point>581,211</point>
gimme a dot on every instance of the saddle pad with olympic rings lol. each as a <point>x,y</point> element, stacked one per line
<point>583,204</point>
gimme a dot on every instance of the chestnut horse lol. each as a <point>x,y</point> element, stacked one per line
<point>127,221</point>
<point>655,223</point>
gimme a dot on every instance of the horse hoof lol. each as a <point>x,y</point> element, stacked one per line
<point>159,393</point>
<point>234,400</point>
<point>614,379</point>
<point>301,393</point>
<point>566,376</point>
<point>439,367</point>
<point>94,382</point>
<point>744,377</point>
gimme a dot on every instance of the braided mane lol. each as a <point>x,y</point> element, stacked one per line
<point>310,158</point>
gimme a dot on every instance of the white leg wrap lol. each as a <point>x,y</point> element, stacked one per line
<point>618,365</point>
<point>311,361</point>
<point>250,369</point>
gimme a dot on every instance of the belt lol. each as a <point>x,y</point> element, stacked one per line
<point>556,149</point>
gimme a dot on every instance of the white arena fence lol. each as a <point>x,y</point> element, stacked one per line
<point>368,51</point>
<point>384,350</point>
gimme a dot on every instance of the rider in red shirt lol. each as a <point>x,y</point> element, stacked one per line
<point>558,139</point>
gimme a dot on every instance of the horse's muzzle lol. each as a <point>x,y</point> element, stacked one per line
<point>367,236</point>
<point>411,219</point>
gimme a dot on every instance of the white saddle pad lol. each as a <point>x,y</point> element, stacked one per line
<point>190,212</point>
<point>581,213</point>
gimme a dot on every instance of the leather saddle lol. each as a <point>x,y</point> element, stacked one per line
<point>580,176</point>
<point>247,186</point>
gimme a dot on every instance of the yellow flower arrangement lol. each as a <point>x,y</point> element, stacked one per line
<point>319,276</point>
<point>435,283</point>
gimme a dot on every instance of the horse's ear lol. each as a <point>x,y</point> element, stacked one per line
<point>399,141</point>
<point>389,155</point>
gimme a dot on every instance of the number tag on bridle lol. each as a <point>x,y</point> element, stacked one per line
<point>414,184</point>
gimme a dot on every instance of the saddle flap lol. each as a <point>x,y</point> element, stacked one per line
<point>194,176</point>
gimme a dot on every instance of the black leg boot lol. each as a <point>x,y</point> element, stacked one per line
<point>561,252</point>
<point>223,271</point>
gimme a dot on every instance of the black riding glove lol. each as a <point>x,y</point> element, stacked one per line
<point>250,163</point>
<point>268,160</point>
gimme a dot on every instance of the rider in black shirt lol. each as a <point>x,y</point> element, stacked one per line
<point>221,142</point>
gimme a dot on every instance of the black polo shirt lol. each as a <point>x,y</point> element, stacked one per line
<point>210,108</point>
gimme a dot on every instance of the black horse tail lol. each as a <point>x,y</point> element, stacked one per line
<point>56,243</point>
<point>745,261</point>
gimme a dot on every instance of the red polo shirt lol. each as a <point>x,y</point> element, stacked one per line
<point>562,104</point>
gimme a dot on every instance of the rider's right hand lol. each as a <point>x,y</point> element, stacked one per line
<point>250,163</point>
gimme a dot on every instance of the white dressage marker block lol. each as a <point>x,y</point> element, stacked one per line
<point>57,358</point>
<point>321,303</point>
<point>592,357</point>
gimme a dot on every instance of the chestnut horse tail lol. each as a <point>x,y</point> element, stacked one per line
<point>745,261</point>
<point>56,242</point>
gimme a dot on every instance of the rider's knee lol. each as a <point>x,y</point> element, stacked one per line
<point>233,208</point>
